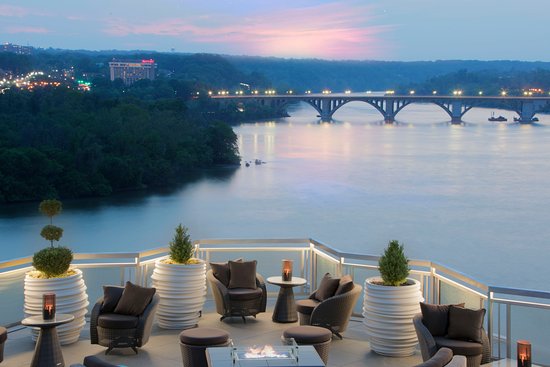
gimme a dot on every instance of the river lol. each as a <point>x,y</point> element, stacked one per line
<point>475,197</point>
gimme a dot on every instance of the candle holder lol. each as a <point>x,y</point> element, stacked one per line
<point>524,353</point>
<point>48,306</point>
<point>287,270</point>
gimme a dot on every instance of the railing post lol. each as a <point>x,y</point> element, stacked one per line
<point>508,331</point>
<point>490,319</point>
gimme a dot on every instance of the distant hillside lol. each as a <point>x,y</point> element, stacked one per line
<point>303,74</point>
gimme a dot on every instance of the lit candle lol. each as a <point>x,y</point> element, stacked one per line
<point>287,270</point>
<point>524,353</point>
<point>48,306</point>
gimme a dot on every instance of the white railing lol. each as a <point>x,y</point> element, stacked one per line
<point>518,310</point>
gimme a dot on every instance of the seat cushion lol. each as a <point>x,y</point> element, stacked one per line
<point>204,336</point>
<point>436,317</point>
<point>242,274</point>
<point>306,306</point>
<point>3,334</point>
<point>93,361</point>
<point>460,347</point>
<point>439,359</point>
<point>327,287</point>
<point>111,296</point>
<point>134,299</point>
<point>244,294</point>
<point>344,285</point>
<point>465,324</point>
<point>306,334</point>
<point>117,321</point>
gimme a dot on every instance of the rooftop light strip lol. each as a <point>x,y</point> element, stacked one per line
<point>511,302</point>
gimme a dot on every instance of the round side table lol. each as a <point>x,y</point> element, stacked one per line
<point>285,307</point>
<point>47,352</point>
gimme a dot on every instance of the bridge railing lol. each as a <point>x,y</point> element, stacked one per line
<point>512,313</point>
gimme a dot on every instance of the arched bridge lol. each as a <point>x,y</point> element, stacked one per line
<point>389,106</point>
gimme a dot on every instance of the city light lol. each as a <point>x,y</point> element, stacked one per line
<point>434,92</point>
<point>412,92</point>
<point>503,93</point>
<point>457,92</point>
<point>308,91</point>
<point>326,91</point>
<point>480,92</point>
<point>390,92</point>
<point>347,91</point>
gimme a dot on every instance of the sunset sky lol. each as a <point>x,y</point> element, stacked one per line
<point>347,29</point>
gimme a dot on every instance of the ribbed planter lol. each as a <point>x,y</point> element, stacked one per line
<point>388,313</point>
<point>71,298</point>
<point>182,291</point>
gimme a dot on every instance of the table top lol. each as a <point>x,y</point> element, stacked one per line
<point>278,280</point>
<point>221,357</point>
<point>60,318</point>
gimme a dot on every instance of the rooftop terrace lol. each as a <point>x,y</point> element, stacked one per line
<point>512,313</point>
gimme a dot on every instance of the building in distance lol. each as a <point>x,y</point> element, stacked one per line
<point>132,71</point>
<point>16,49</point>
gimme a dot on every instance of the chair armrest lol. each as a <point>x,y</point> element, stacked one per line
<point>486,344</point>
<point>96,311</point>
<point>260,283</point>
<point>334,312</point>
<point>425,338</point>
<point>457,361</point>
<point>145,322</point>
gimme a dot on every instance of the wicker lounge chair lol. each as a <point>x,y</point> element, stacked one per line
<point>444,358</point>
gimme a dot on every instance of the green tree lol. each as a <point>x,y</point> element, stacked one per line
<point>393,265</point>
<point>181,247</point>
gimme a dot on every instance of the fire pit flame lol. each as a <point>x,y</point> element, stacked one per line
<point>264,352</point>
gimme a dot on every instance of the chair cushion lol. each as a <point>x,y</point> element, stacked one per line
<point>344,285</point>
<point>460,347</point>
<point>306,306</point>
<point>306,334</point>
<point>436,317</point>
<point>465,324</point>
<point>327,287</point>
<point>93,361</point>
<point>117,321</point>
<point>111,296</point>
<point>3,334</point>
<point>134,299</point>
<point>221,271</point>
<point>204,336</point>
<point>242,274</point>
<point>244,294</point>
<point>439,359</point>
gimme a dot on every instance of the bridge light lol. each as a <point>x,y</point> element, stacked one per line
<point>308,91</point>
<point>411,92</point>
<point>347,91</point>
<point>209,92</point>
<point>503,93</point>
<point>390,92</point>
<point>369,92</point>
<point>480,92</point>
<point>290,91</point>
<point>457,92</point>
<point>434,92</point>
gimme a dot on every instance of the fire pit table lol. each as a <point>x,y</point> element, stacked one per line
<point>277,356</point>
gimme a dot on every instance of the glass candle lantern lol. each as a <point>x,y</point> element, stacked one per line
<point>48,306</point>
<point>287,270</point>
<point>524,353</point>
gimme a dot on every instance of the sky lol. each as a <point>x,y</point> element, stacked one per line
<point>402,30</point>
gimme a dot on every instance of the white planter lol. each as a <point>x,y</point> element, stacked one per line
<point>388,313</point>
<point>182,291</point>
<point>70,297</point>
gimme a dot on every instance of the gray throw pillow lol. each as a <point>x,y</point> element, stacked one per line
<point>111,296</point>
<point>344,285</point>
<point>242,274</point>
<point>221,271</point>
<point>465,324</point>
<point>436,317</point>
<point>134,300</point>
<point>327,288</point>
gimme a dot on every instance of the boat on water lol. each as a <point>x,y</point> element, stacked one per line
<point>500,118</point>
<point>534,119</point>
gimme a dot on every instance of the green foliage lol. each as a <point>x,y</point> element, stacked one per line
<point>53,261</point>
<point>50,208</point>
<point>51,233</point>
<point>393,265</point>
<point>181,247</point>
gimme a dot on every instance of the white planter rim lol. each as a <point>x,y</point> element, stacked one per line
<point>409,282</point>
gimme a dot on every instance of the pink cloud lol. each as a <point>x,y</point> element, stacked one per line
<point>13,11</point>
<point>12,30</point>
<point>329,30</point>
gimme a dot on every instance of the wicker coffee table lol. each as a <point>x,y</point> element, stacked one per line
<point>47,352</point>
<point>285,308</point>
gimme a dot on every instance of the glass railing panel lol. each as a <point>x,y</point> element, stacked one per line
<point>12,291</point>
<point>359,275</point>
<point>322,266</point>
<point>96,278</point>
<point>526,325</point>
<point>449,293</point>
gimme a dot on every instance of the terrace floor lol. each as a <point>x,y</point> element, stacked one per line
<point>163,347</point>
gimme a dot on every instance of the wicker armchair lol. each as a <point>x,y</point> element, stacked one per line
<point>3,338</point>
<point>444,358</point>
<point>238,301</point>
<point>333,313</point>
<point>429,345</point>
<point>121,331</point>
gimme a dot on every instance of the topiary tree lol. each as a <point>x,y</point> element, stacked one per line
<point>181,247</point>
<point>52,261</point>
<point>394,265</point>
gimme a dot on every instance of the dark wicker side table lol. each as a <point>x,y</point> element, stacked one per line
<point>285,307</point>
<point>47,352</point>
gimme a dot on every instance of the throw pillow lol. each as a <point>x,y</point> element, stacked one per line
<point>134,299</point>
<point>345,285</point>
<point>242,274</point>
<point>327,287</point>
<point>436,317</point>
<point>221,271</point>
<point>465,324</point>
<point>111,296</point>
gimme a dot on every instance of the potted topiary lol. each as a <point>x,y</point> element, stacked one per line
<point>53,274</point>
<point>390,303</point>
<point>180,280</point>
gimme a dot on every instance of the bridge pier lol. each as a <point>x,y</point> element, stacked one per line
<point>389,111</point>
<point>456,112</point>
<point>528,110</point>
